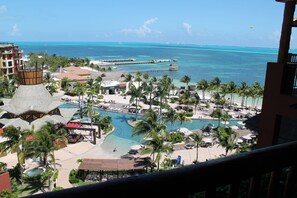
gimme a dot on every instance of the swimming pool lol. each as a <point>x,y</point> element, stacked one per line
<point>121,138</point>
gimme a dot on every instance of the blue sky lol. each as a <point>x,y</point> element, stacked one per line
<point>255,23</point>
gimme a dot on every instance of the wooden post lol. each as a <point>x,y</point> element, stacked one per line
<point>284,45</point>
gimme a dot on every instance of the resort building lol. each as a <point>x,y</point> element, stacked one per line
<point>278,119</point>
<point>32,104</point>
<point>113,87</point>
<point>112,82</point>
<point>73,74</point>
<point>10,60</point>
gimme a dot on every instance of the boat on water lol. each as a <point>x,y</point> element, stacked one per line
<point>173,67</point>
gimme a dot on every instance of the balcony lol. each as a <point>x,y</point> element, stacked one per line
<point>265,172</point>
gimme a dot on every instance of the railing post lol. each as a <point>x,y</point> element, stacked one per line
<point>233,189</point>
<point>273,188</point>
<point>290,182</point>
<point>254,187</point>
<point>210,193</point>
<point>286,31</point>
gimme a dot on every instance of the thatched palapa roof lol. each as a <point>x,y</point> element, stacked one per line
<point>31,98</point>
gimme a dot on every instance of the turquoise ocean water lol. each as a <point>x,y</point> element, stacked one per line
<point>236,64</point>
<point>199,62</point>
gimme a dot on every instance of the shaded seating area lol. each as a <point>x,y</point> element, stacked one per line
<point>73,125</point>
<point>108,169</point>
<point>74,137</point>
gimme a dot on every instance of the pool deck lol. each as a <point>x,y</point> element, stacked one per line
<point>66,158</point>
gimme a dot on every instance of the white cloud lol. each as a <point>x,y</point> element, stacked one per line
<point>187,27</point>
<point>143,30</point>
<point>15,30</point>
<point>3,9</point>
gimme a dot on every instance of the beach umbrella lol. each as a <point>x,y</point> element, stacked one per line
<point>240,122</point>
<point>239,141</point>
<point>247,137</point>
<point>234,127</point>
<point>136,147</point>
<point>225,122</point>
<point>207,140</point>
<point>185,131</point>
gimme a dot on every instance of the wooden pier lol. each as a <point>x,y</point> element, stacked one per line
<point>149,70</point>
<point>134,61</point>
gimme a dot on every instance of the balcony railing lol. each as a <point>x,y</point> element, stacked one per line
<point>289,84</point>
<point>265,172</point>
<point>292,58</point>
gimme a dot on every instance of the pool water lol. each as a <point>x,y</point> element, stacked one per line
<point>34,171</point>
<point>121,137</point>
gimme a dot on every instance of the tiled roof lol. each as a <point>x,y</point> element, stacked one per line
<point>111,164</point>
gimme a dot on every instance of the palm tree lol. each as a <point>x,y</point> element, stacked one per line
<point>185,98</point>
<point>16,140</point>
<point>217,113</point>
<point>148,125</point>
<point>129,79</point>
<point>241,91</point>
<point>171,117</point>
<point>203,86</point>
<point>98,85</point>
<point>248,93</point>
<point>80,90</point>
<point>225,118</point>
<point>226,138</point>
<point>163,90</point>
<point>186,79</point>
<point>260,93</point>
<point>138,78</point>
<point>45,142</point>
<point>257,91</point>
<point>215,83</point>
<point>148,91</point>
<point>43,145</point>
<point>135,93</point>
<point>8,86</point>
<point>231,87</point>
<point>197,139</point>
<point>223,92</point>
<point>93,87</point>
<point>145,77</point>
<point>195,101</point>
<point>65,84</point>
<point>156,146</point>
<point>182,117</point>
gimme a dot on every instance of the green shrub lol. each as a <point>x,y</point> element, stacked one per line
<point>189,114</point>
<point>72,177</point>
<point>58,188</point>
<point>175,138</point>
<point>7,194</point>
<point>217,113</point>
